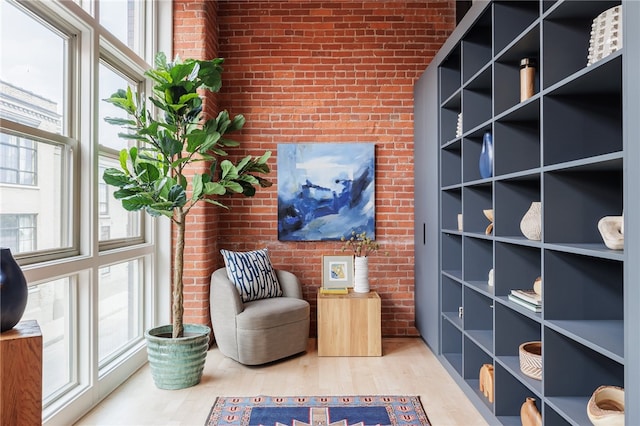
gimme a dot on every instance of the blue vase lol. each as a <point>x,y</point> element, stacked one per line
<point>486,156</point>
<point>13,291</point>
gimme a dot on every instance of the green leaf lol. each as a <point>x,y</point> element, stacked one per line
<point>160,60</point>
<point>169,146</point>
<point>210,140</point>
<point>177,195</point>
<point>137,202</point>
<point>115,177</point>
<point>234,186</point>
<point>243,162</point>
<point>214,202</point>
<point>133,154</point>
<point>228,142</point>
<point>264,158</point>
<point>214,188</point>
<point>198,186</point>
<point>182,181</point>
<point>194,140</point>
<point>126,192</point>
<point>237,123</point>
<point>250,179</point>
<point>124,155</point>
<point>184,99</point>
<point>120,121</point>
<point>228,170</point>
<point>147,172</point>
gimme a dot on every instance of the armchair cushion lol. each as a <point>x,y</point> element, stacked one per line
<point>252,274</point>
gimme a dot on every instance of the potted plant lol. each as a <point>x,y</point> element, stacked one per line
<point>361,246</point>
<point>153,176</point>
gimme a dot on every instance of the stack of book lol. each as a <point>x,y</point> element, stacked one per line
<point>527,298</point>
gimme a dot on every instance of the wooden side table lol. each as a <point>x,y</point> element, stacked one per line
<point>349,324</point>
<point>21,375</point>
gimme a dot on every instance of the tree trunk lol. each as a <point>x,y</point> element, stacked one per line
<point>178,268</point>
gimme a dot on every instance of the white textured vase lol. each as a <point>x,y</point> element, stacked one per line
<point>531,223</point>
<point>361,274</point>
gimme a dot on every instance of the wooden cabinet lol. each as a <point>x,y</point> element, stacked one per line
<point>349,324</point>
<point>21,375</point>
<point>572,147</point>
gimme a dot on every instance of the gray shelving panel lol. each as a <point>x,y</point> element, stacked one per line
<point>572,147</point>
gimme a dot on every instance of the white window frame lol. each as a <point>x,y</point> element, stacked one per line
<point>82,262</point>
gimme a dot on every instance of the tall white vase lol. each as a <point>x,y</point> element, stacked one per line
<point>361,274</point>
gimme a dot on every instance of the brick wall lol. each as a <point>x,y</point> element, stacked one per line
<point>314,72</point>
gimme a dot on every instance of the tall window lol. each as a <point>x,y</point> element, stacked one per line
<point>95,271</point>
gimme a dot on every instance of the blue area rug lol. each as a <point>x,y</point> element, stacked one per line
<point>371,410</point>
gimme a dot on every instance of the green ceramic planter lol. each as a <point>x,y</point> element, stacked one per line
<point>177,363</point>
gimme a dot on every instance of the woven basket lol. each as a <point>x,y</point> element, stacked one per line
<point>531,359</point>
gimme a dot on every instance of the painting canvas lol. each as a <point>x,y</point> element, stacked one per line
<point>325,190</point>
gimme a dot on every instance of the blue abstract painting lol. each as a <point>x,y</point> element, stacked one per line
<point>325,190</point>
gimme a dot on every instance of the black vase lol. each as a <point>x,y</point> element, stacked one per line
<point>13,291</point>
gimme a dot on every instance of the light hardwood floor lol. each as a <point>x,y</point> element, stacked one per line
<point>407,367</point>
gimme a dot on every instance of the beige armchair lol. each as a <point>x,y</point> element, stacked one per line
<point>262,330</point>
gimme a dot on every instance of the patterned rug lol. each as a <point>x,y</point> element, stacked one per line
<point>318,410</point>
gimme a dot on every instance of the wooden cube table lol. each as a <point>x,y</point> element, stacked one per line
<point>21,375</point>
<point>349,324</point>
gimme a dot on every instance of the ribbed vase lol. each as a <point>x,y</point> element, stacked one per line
<point>361,274</point>
<point>177,363</point>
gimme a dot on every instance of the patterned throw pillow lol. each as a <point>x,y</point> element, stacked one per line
<point>252,274</point>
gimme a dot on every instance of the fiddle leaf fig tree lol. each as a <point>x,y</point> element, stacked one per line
<point>153,174</point>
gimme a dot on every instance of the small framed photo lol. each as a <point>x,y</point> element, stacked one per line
<point>337,271</point>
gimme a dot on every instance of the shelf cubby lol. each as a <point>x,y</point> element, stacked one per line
<point>511,330</point>
<point>511,19</point>
<point>476,198</point>
<point>510,394</point>
<point>478,260</point>
<point>583,297</point>
<point>452,254</point>
<point>507,70</point>
<point>449,118</point>
<point>452,345</point>
<point>575,200</point>
<point>471,149</point>
<point>451,207</point>
<point>583,118</point>
<point>450,74</point>
<point>478,318</point>
<point>567,31</point>
<point>474,357</point>
<point>452,300</point>
<point>564,357</point>
<point>476,106</point>
<point>516,267</point>
<point>516,140</point>
<point>476,47</point>
<point>451,164</point>
<point>513,198</point>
